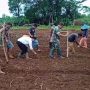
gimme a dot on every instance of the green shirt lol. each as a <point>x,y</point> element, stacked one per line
<point>55,35</point>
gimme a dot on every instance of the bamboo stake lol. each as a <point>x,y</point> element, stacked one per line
<point>4,49</point>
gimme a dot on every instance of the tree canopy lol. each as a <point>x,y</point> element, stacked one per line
<point>47,11</point>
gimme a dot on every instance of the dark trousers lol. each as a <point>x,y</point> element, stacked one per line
<point>23,48</point>
<point>55,46</point>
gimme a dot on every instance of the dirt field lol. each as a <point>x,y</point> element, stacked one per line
<point>41,73</point>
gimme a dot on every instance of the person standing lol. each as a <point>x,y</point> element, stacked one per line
<point>5,31</point>
<point>55,41</point>
<point>33,34</point>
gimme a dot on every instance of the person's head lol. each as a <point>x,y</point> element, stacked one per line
<point>34,25</point>
<point>60,25</point>
<point>8,25</point>
<point>52,24</point>
<point>79,34</point>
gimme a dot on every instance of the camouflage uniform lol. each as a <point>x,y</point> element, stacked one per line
<point>55,42</point>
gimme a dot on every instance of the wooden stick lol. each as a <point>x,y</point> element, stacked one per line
<point>67,42</point>
<point>4,49</point>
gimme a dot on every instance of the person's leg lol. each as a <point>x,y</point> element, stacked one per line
<point>27,56</point>
<point>23,48</point>
<point>81,41</point>
<point>0,41</point>
<point>9,49</point>
<point>71,45</point>
<point>85,42</point>
<point>59,50</point>
<point>73,49</point>
<point>52,50</point>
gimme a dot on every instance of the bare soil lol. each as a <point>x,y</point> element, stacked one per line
<point>42,73</point>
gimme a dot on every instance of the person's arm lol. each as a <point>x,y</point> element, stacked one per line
<point>59,34</point>
<point>76,42</point>
<point>63,34</point>
<point>31,47</point>
<point>29,31</point>
<point>1,30</point>
<point>30,34</point>
<point>33,51</point>
<point>51,31</point>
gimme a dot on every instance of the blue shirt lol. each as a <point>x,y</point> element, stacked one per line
<point>84,29</point>
<point>85,26</point>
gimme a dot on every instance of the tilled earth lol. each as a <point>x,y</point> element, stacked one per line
<point>42,73</point>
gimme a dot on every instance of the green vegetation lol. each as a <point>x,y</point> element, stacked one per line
<point>72,28</point>
<point>44,27</point>
<point>20,27</point>
<point>85,19</point>
<point>45,12</point>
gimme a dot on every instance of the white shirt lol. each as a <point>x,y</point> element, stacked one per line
<point>26,40</point>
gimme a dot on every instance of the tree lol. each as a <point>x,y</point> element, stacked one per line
<point>47,11</point>
<point>15,7</point>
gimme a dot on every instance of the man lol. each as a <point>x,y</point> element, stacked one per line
<point>55,41</point>
<point>72,39</point>
<point>33,35</point>
<point>5,31</point>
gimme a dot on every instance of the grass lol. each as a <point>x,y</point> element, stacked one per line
<point>45,27</point>
<point>72,28</point>
<point>28,27</point>
<point>20,27</point>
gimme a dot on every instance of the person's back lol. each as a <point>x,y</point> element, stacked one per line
<point>25,39</point>
<point>72,37</point>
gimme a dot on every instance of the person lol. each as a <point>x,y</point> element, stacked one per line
<point>55,41</point>
<point>1,29</point>
<point>5,32</point>
<point>33,35</point>
<point>51,31</point>
<point>83,41</point>
<point>23,43</point>
<point>72,39</point>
